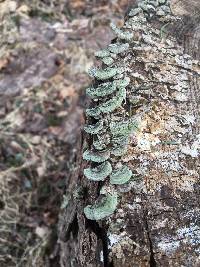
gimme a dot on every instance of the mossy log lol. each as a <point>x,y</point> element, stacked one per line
<point>156,222</point>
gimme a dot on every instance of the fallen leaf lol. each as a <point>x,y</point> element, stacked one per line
<point>67,91</point>
<point>36,140</point>
<point>42,232</point>
<point>3,63</point>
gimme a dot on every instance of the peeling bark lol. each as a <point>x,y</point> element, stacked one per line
<point>157,221</point>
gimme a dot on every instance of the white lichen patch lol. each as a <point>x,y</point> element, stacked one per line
<point>185,183</point>
<point>190,151</point>
<point>113,239</point>
<point>189,119</point>
<point>192,214</point>
<point>101,256</point>
<point>190,234</point>
<point>180,96</point>
<point>147,141</point>
<point>161,224</point>
<point>168,161</point>
<point>168,247</point>
<point>185,235</point>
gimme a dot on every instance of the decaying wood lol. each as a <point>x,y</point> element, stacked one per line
<point>157,221</point>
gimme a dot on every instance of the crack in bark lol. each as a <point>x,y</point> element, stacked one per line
<point>101,234</point>
<point>152,261</point>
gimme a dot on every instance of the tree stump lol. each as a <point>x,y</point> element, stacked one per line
<point>156,222</point>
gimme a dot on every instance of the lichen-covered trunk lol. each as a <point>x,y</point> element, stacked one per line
<point>156,222</point>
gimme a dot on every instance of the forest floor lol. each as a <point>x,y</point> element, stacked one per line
<point>46,48</point>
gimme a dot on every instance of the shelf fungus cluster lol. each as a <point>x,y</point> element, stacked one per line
<point>108,126</point>
<point>109,122</point>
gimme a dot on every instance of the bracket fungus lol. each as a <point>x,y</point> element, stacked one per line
<point>121,175</point>
<point>102,90</point>
<point>102,53</point>
<point>122,82</point>
<point>96,156</point>
<point>94,129</point>
<point>104,74</point>
<point>93,112</point>
<point>119,150</point>
<point>124,35</point>
<point>99,173</point>
<point>114,102</point>
<point>118,48</point>
<point>108,60</point>
<point>106,207</point>
<point>100,142</point>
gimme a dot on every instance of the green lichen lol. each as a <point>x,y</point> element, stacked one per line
<point>104,74</point>
<point>103,209</point>
<point>94,129</point>
<point>120,34</point>
<point>121,175</point>
<point>99,173</point>
<point>102,53</point>
<point>118,48</point>
<point>96,156</point>
<point>102,90</point>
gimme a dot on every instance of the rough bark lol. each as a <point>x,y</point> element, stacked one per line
<point>157,220</point>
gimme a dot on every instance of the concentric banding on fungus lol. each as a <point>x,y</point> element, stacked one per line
<point>98,173</point>
<point>121,175</point>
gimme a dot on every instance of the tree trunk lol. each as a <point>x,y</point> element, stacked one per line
<point>157,219</point>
